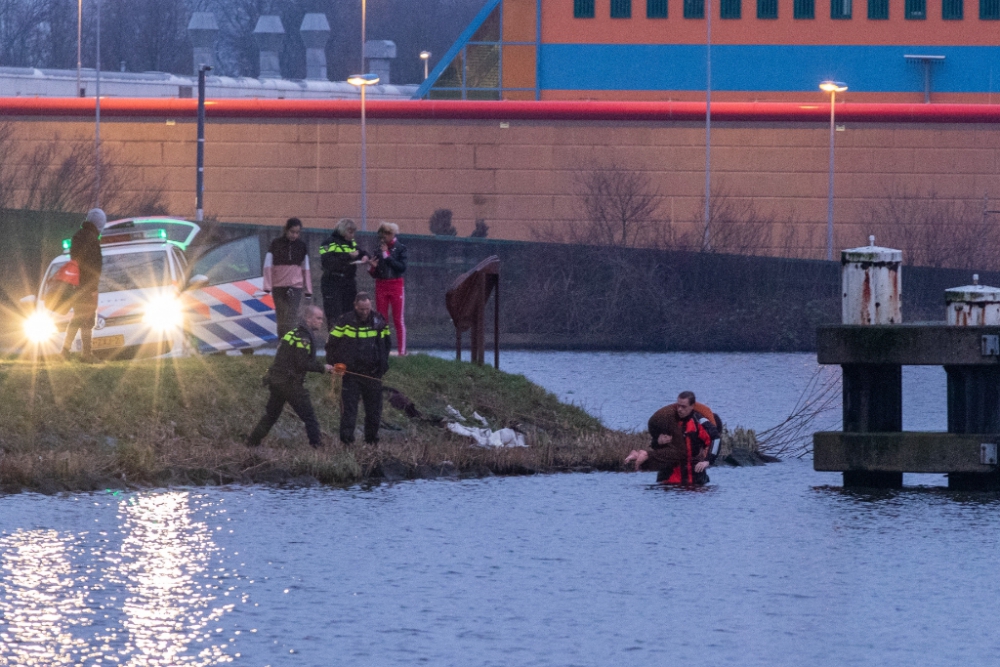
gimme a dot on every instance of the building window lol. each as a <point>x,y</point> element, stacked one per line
<point>989,10</point>
<point>841,9</point>
<point>916,9</point>
<point>878,9</point>
<point>804,9</point>
<point>767,9</point>
<point>583,9</point>
<point>694,9</point>
<point>656,9</point>
<point>952,10</point>
<point>730,9</point>
<point>621,9</point>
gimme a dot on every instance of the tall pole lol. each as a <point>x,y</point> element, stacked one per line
<point>707,241</point>
<point>364,155</point>
<point>200,183</point>
<point>79,46</point>
<point>829,201</point>
<point>97,121</point>
<point>364,166</point>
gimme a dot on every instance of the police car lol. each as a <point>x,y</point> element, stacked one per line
<point>161,294</point>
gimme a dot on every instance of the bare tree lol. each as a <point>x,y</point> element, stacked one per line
<point>737,228</point>
<point>936,232</point>
<point>54,180</point>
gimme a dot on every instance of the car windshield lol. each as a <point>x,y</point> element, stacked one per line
<point>134,271</point>
<point>127,271</point>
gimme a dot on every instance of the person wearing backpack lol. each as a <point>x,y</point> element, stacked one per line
<point>85,250</point>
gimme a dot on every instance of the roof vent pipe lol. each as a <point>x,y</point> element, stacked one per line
<point>202,28</point>
<point>269,34</point>
<point>378,53</point>
<point>315,33</point>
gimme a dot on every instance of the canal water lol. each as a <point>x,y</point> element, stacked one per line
<point>774,565</point>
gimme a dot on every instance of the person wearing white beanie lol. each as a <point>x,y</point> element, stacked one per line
<point>85,250</point>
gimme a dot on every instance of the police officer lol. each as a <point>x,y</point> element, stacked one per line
<point>338,256</point>
<point>359,347</point>
<point>295,357</point>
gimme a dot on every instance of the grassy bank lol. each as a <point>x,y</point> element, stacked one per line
<point>67,426</point>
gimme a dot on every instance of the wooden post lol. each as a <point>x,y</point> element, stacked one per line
<point>873,402</point>
<point>496,322</point>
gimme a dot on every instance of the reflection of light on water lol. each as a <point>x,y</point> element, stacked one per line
<point>39,602</point>
<point>167,608</point>
<point>142,596</point>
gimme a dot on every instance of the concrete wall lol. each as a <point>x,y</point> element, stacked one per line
<point>519,175</point>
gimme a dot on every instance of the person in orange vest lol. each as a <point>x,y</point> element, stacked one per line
<point>681,447</point>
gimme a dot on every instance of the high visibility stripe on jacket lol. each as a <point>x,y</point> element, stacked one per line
<point>294,340</point>
<point>354,331</point>
<point>338,248</point>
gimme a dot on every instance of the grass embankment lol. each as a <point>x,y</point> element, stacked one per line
<point>68,426</point>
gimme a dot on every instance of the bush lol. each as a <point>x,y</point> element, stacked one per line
<point>440,223</point>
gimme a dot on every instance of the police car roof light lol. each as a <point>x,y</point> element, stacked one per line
<point>125,237</point>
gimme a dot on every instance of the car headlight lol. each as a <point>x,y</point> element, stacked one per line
<point>39,327</point>
<point>164,313</point>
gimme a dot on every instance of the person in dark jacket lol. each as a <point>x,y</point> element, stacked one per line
<point>85,249</point>
<point>387,268</point>
<point>681,443</point>
<point>358,347</point>
<point>287,275</point>
<point>338,256</point>
<point>285,379</point>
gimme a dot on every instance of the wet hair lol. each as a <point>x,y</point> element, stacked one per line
<point>389,227</point>
<point>292,222</point>
<point>687,396</point>
<point>345,225</point>
<point>362,296</point>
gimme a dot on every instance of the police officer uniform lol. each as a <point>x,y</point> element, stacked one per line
<point>363,347</point>
<point>295,357</point>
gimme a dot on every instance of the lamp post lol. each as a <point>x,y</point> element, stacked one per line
<point>79,46</point>
<point>706,243</point>
<point>425,56</point>
<point>200,174</point>
<point>97,114</point>
<point>363,81</point>
<point>832,87</point>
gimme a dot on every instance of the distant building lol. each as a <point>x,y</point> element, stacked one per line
<point>762,50</point>
<point>30,82</point>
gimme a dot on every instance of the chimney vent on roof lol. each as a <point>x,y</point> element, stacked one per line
<point>202,28</point>
<point>315,33</point>
<point>269,34</point>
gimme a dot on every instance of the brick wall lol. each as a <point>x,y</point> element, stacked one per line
<point>520,176</point>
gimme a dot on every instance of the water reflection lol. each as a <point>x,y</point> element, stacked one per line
<point>40,601</point>
<point>144,595</point>
<point>167,609</point>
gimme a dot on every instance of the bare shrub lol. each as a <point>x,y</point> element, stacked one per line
<point>53,181</point>
<point>617,206</point>
<point>936,232</point>
<point>481,231</point>
<point>735,227</point>
<point>440,223</point>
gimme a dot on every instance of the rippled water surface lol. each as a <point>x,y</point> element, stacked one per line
<point>765,566</point>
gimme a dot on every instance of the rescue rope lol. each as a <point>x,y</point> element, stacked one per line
<point>341,369</point>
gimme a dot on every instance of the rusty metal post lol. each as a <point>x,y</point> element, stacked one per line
<point>458,344</point>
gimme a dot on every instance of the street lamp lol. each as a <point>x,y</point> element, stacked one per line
<point>425,56</point>
<point>832,87</point>
<point>363,81</point>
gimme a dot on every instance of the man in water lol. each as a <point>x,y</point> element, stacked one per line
<point>681,443</point>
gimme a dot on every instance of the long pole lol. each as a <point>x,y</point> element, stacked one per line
<point>364,156</point>
<point>200,182</point>
<point>79,46</point>
<point>97,127</point>
<point>364,165</point>
<point>829,201</point>
<point>707,241</point>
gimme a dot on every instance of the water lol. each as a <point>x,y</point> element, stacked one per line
<point>765,566</point>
